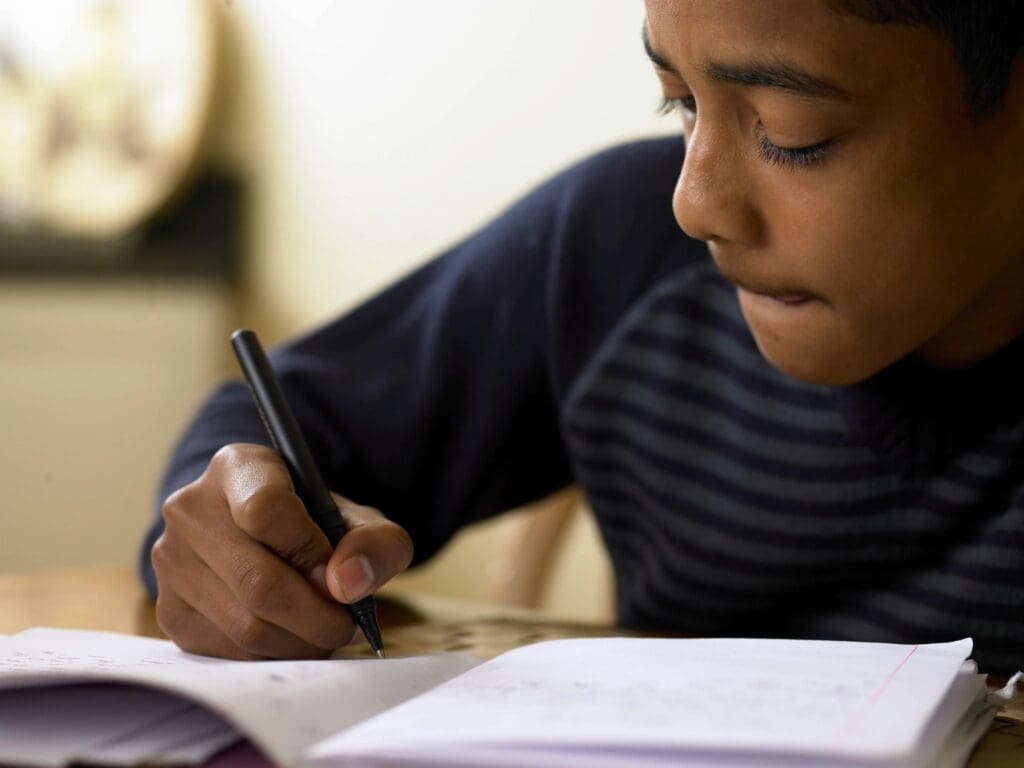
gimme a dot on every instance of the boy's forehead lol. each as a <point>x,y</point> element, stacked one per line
<point>763,21</point>
<point>802,29</point>
<point>810,35</point>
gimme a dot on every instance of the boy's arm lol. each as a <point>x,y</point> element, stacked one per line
<point>431,402</point>
<point>436,402</point>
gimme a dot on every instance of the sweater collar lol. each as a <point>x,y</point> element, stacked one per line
<point>917,416</point>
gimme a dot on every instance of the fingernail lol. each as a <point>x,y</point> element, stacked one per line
<point>354,578</point>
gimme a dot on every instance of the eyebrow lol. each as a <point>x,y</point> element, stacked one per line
<point>760,74</point>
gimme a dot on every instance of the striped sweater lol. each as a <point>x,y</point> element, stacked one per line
<point>581,337</point>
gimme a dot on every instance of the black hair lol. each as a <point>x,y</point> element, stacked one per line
<point>986,35</point>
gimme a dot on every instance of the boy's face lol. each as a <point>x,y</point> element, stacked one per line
<point>842,184</point>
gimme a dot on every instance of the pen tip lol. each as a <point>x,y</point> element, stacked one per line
<point>380,653</point>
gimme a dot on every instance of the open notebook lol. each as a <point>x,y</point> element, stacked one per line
<point>73,696</point>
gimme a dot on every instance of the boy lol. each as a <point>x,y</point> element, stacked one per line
<point>795,406</point>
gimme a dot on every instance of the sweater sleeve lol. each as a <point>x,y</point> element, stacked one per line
<point>438,401</point>
<point>432,401</point>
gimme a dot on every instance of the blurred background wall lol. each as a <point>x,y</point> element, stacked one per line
<point>365,137</point>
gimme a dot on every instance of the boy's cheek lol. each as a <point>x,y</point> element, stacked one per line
<point>870,303</point>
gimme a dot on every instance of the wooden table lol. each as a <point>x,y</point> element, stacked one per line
<point>111,599</point>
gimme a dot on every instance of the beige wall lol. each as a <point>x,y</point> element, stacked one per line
<point>96,382</point>
<point>377,133</point>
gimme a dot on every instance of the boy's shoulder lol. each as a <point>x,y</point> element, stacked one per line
<point>627,183</point>
<point>616,240</point>
<point>616,213</point>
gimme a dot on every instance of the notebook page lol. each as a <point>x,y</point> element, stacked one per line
<point>835,699</point>
<point>283,706</point>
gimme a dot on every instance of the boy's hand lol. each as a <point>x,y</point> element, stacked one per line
<point>244,573</point>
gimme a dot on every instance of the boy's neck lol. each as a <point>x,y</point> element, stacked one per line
<point>984,327</point>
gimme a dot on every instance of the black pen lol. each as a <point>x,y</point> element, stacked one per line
<point>288,440</point>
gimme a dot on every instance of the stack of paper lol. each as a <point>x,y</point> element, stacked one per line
<point>592,702</point>
<point>107,725</point>
<point>70,696</point>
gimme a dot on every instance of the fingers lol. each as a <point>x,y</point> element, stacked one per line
<point>264,585</point>
<point>243,572</point>
<point>178,619</point>
<point>372,552</point>
<point>226,592</point>
<point>197,606</point>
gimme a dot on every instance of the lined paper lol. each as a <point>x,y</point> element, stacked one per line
<point>671,697</point>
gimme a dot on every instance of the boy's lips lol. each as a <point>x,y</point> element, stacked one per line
<point>784,293</point>
<point>783,302</point>
<point>791,298</point>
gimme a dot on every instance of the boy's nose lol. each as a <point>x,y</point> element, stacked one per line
<point>714,198</point>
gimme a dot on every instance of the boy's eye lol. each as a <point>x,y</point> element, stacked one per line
<point>771,153</point>
<point>684,103</point>
<point>793,157</point>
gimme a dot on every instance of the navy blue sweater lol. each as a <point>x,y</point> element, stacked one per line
<point>581,337</point>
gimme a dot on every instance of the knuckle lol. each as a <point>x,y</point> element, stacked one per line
<point>258,590</point>
<point>226,456</point>
<point>168,617</point>
<point>179,505</point>
<point>247,632</point>
<point>234,455</point>
<point>306,553</point>
<point>159,555</point>
<point>256,514</point>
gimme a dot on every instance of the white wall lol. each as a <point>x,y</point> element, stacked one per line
<point>377,133</point>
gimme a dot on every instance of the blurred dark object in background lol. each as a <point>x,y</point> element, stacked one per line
<point>200,237</point>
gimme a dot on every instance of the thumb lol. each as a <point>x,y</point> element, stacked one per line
<point>372,552</point>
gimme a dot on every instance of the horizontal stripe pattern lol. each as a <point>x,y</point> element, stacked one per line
<point>734,500</point>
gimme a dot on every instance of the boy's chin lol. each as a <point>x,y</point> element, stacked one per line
<point>812,342</point>
<point>827,366</point>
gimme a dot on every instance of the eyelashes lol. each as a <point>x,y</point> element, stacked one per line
<point>791,157</point>
<point>684,103</point>
<point>797,157</point>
